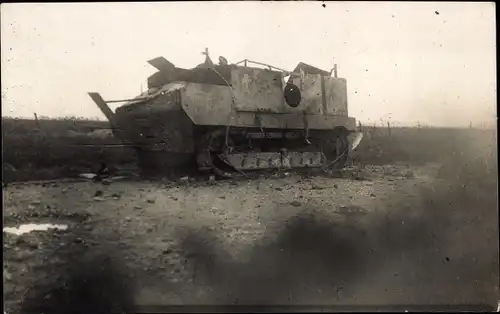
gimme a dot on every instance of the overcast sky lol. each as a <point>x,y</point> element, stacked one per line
<point>408,62</point>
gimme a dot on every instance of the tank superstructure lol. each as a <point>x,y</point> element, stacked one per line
<point>236,117</point>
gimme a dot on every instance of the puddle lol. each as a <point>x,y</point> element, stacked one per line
<point>26,228</point>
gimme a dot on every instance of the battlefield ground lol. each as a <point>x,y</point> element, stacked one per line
<point>412,221</point>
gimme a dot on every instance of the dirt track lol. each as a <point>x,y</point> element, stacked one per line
<point>400,236</point>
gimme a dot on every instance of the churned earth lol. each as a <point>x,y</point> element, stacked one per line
<point>381,235</point>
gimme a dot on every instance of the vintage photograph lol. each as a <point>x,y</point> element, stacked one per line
<point>248,156</point>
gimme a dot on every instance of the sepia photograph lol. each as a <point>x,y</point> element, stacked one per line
<point>249,156</point>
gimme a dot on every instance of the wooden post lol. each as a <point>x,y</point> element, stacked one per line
<point>389,128</point>
<point>360,127</point>
<point>36,121</point>
<point>335,70</point>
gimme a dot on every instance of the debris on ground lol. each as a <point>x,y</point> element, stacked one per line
<point>317,187</point>
<point>87,175</point>
<point>211,180</point>
<point>7,275</point>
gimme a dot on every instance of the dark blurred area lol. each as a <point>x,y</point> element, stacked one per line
<point>88,277</point>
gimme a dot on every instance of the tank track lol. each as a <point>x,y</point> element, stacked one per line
<point>322,150</point>
<point>240,157</point>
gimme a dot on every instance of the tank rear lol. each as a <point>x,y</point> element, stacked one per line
<point>257,116</point>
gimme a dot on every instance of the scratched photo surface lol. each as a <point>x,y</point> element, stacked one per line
<point>286,155</point>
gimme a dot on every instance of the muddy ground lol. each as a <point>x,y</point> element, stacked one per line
<point>415,222</point>
<point>389,235</point>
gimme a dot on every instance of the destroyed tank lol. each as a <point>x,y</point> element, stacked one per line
<point>234,118</point>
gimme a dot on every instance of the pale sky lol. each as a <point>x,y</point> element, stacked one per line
<point>404,61</point>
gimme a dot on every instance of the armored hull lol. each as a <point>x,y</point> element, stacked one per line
<point>227,118</point>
